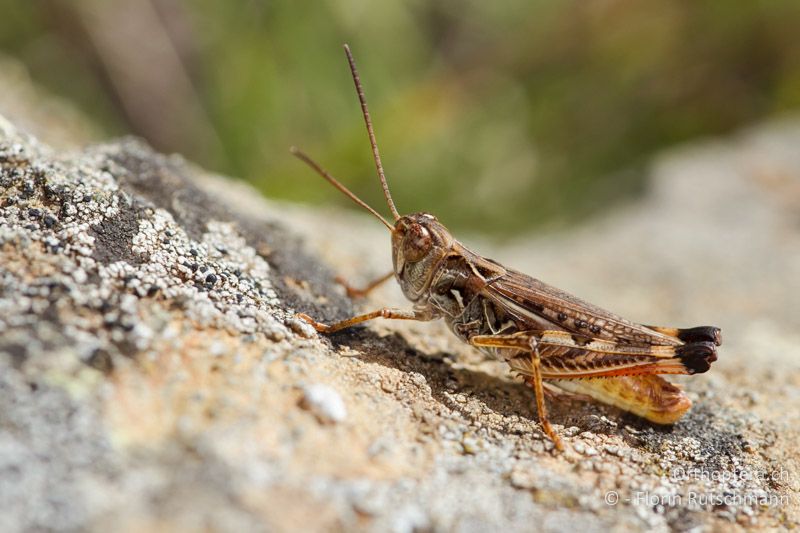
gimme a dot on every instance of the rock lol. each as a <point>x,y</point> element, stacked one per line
<point>153,372</point>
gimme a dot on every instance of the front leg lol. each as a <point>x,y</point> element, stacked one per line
<point>386,312</point>
<point>525,342</point>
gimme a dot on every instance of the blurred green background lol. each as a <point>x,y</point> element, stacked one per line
<point>496,116</point>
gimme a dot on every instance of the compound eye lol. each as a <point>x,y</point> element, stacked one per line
<point>417,243</point>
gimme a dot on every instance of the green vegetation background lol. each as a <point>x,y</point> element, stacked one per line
<point>496,116</point>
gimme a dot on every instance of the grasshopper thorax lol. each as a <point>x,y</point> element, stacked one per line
<point>419,243</point>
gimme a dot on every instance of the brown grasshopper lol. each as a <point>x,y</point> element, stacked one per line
<point>542,332</point>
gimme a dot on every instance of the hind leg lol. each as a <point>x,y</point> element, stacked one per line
<point>528,343</point>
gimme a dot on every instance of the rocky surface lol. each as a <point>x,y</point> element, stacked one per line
<point>152,373</point>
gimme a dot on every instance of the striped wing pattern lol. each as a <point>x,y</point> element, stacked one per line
<point>587,341</point>
<point>567,312</point>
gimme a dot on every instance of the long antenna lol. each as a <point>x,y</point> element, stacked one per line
<point>376,155</point>
<point>333,181</point>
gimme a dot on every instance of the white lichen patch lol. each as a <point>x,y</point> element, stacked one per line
<point>101,247</point>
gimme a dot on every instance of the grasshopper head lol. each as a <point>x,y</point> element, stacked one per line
<point>419,242</point>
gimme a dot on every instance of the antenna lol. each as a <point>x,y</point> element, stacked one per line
<point>375,154</point>
<point>333,181</point>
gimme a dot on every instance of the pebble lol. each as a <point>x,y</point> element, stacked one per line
<point>301,327</point>
<point>325,402</point>
<point>471,444</point>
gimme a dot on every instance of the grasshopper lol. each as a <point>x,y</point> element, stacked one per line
<point>549,337</point>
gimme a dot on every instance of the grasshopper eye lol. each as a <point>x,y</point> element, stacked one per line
<point>417,243</point>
